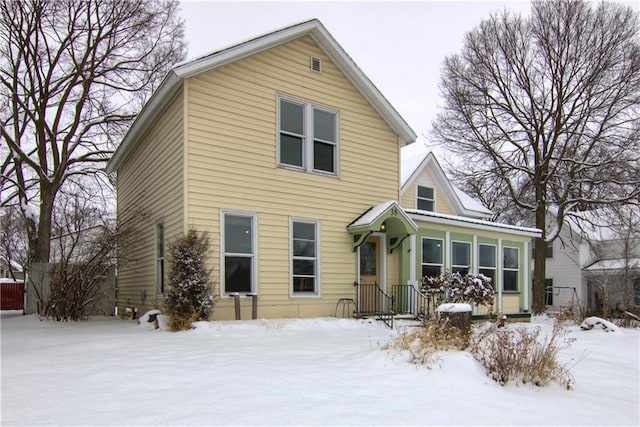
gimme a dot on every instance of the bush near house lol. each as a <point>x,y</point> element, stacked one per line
<point>469,289</point>
<point>190,293</point>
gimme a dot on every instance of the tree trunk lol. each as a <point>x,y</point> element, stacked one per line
<point>539,263</point>
<point>40,246</point>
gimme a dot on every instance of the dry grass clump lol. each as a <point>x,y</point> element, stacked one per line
<point>424,343</point>
<point>182,322</point>
<point>521,355</point>
<point>569,312</point>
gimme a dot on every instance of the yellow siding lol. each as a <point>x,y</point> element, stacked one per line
<point>232,129</point>
<point>426,179</point>
<point>150,179</point>
<point>510,304</point>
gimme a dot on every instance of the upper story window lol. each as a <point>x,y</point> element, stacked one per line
<point>308,137</point>
<point>548,250</point>
<point>425,200</point>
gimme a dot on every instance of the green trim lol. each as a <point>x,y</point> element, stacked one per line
<point>359,239</point>
<point>509,316</point>
<point>393,222</point>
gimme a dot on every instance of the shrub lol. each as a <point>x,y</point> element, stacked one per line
<point>426,342</point>
<point>470,289</point>
<point>190,293</point>
<point>517,354</point>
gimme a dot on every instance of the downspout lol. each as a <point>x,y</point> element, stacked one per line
<point>499,275</point>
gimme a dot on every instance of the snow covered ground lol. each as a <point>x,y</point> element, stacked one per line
<point>110,371</point>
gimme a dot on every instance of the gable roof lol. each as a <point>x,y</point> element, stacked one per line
<point>415,158</point>
<point>313,28</point>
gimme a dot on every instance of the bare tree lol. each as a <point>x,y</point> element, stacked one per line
<point>73,76</point>
<point>13,240</point>
<point>548,106</point>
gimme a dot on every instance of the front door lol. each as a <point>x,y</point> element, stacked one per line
<point>371,274</point>
<point>370,261</point>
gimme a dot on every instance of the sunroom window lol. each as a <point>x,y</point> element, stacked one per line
<point>431,257</point>
<point>460,257</point>
<point>510,269</point>
<point>487,262</point>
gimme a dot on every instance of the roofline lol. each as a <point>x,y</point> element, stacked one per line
<point>477,224</point>
<point>314,28</point>
<point>447,186</point>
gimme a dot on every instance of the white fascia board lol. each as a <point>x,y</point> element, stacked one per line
<point>320,35</point>
<point>472,223</point>
<point>160,98</point>
<point>350,69</point>
<point>446,186</point>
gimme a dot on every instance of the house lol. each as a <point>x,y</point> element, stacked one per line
<point>592,260</point>
<point>455,235</point>
<point>289,157</point>
<point>11,270</point>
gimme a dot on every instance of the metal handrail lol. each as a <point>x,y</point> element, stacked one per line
<point>372,300</point>
<point>411,300</point>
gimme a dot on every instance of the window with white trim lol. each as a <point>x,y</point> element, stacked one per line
<point>487,262</point>
<point>460,257</point>
<point>308,137</point>
<point>304,257</point>
<point>160,256</point>
<point>239,252</point>
<point>425,200</point>
<point>432,257</point>
<point>510,269</point>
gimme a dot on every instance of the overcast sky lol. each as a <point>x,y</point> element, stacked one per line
<point>399,45</point>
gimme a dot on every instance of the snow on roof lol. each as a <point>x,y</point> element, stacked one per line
<point>313,28</point>
<point>600,225</point>
<point>469,202</point>
<point>372,214</point>
<point>614,264</point>
<point>413,156</point>
<point>428,216</point>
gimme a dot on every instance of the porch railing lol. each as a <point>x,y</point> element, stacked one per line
<point>410,300</point>
<point>371,300</point>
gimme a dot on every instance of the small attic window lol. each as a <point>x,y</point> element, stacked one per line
<point>316,65</point>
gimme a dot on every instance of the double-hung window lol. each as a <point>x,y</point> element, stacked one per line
<point>460,257</point>
<point>239,252</point>
<point>487,262</point>
<point>431,257</point>
<point>510,268</point>
<point>308,137</point>
<point>304,257</point>
<point>425,200</point>
<point>160,257</point>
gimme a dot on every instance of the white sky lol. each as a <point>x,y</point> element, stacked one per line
<point>399,45</point>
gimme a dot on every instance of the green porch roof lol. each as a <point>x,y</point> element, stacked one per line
<point>388,218</point>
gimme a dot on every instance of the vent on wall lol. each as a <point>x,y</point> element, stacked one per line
<point>316,64</point>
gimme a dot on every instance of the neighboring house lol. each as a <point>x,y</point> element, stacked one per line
<point>590,262</point>
<point>13,273</point>
<point>289,157</point>
<point>455,235</point>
